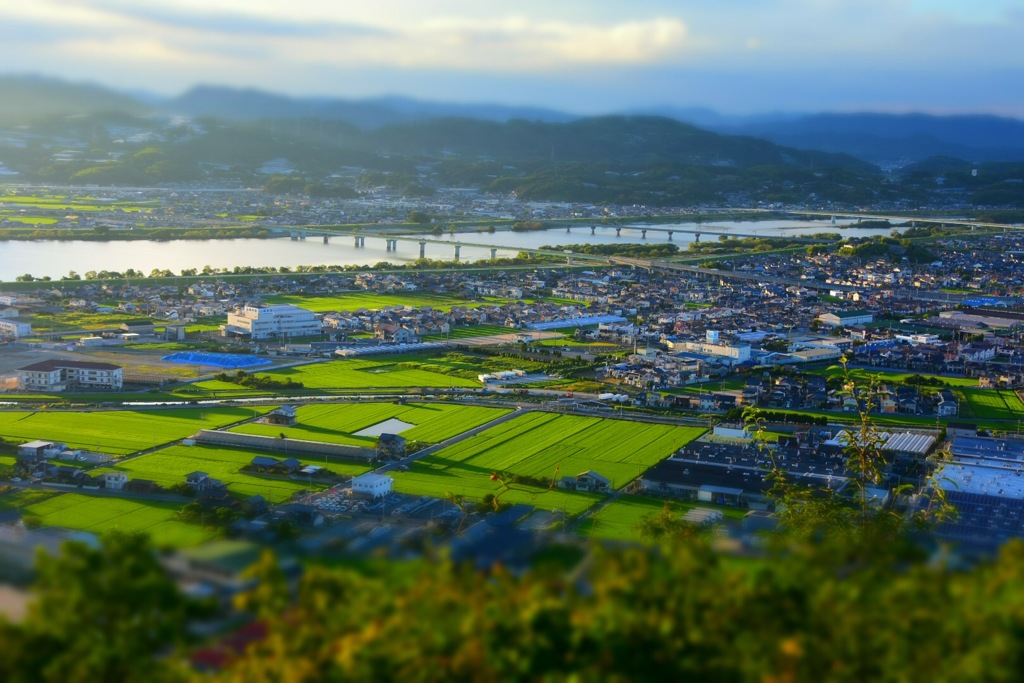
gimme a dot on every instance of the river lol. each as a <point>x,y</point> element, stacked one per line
<point>57,258</point>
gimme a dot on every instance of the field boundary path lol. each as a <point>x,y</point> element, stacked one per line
<point>102,492</point>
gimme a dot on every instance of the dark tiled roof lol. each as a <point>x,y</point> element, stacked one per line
<point>51,365</point>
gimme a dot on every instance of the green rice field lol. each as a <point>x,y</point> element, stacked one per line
<point>338,423</point>
<point>98,514</point>
<point>345,374</point>
<point>618,520</point>
<point>169,466</point>
<point>991,404</point>
<point>377,300</point>
<point>471,332</point>
<point>117,432</point>
<point>865,375</point>
<point>545,446</point>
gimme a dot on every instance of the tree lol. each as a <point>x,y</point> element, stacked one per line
<point>853,523</point>
<point>132,609</point>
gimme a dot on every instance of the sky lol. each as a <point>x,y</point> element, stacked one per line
<point>579,56</point>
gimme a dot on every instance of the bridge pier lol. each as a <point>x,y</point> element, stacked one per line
<point>593,229</point>
<point>302,235</point>
<point>360,241</point>
<point>567,229</point>
<point>696,236</point>
<point>294,235</point>
<point>670,235</point>
<point>618,232</point>
<point>494,253</point>
<point>643,234</point>
<point>423,249</point>
<point>457,248</point>
<point>325,239</point>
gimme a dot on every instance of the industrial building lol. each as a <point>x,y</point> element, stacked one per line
<point>281,321</point>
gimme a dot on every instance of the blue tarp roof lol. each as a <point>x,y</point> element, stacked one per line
<point>233,361</point>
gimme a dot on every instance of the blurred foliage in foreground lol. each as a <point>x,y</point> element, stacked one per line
<point>847,593</point>
<point>807,612</point>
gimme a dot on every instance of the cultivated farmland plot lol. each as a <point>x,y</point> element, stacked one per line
<point>619,519</point>
<point>375,301</point>
<point>548,447</point>
<point>992,404</point>
<point>350,374</point>
<point>169,466</point>
<point>100,514</point>
<point>117,432</point>
<point>338,423</point>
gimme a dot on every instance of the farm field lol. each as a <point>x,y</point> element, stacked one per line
<point>545,446</point>
<point>426,481</point>
<point>471,332</point>
<point>866,374</point>
<point>117,432</point>
<point>374,300</point>
<point>991,404</point>
<point>169,466</point>
<point>618,520</point>
<point>569,342</point>
<point>354,373</point>
<point>82,320</point>
<point>98,514</point>
<point>433,422</point>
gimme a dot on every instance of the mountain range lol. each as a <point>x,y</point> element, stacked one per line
<point>883,139</point>
<point>55,132</point>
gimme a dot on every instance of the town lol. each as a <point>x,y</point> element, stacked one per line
<point>349,409</point>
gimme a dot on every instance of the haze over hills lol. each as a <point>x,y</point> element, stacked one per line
<point>886,139</point>
<point>84,134</point>
<point>247,104</point>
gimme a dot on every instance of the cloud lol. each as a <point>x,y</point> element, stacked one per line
<point>778,52</point>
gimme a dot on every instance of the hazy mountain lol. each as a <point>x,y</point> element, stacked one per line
<point>247,104</point>
<point>894,138</point>
<point>622,140</point>
<point>25,98</point>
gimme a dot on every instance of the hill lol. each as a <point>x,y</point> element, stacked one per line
<point>249,104</point>
<point>894,138</point>
<point>27,98</point>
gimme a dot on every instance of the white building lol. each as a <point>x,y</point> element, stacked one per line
<point>737,354</point>
<point>273,322</point>
<point>15,329</point>
<point>372,484</point>
<point>846,318</point>
<point>114,481</point>
<point>59,375</point>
